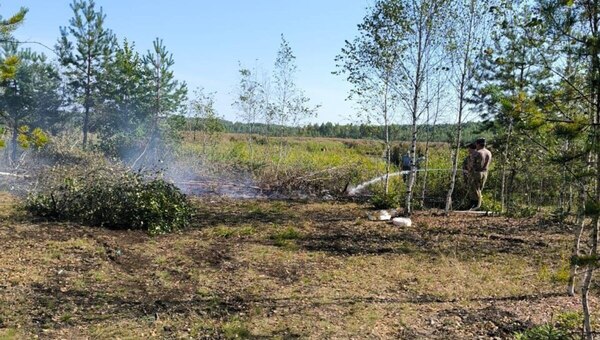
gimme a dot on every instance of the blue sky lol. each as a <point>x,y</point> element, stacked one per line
<point>208,38</point>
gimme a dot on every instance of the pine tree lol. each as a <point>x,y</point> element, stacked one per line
<point>125,97</point>
<point>166,95</point>
<point>572,30</point>
<point>83,49</point>
<point>510,83</point>
<point>28,97</point>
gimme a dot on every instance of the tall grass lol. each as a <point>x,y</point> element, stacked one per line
<point>318,165</point>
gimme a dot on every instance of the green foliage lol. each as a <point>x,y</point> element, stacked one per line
<point>562,274</point>
<point>29,100</point>
<point>544,332</point>
<point>84,47</point>
<point>289,233</point>
<point>36,138</point>
<point>290,105</point>
<point>592,208</point>
<point>8,67</point>
<point>285,238</point>
<point>584,260</point>
<point>205,119</point>
<point>569,320</point>
<point>10,62</point>
<point>381,200</point>
<point>235,329</point>
<point>520,211</point>
<point>250,97</point>
<point>167,94</point>
<point>126,93</point>
<point>7,26</point>
<point>112,198</point>
<point>566,327</point>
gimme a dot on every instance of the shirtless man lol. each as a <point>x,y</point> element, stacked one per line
<point>479,172</point>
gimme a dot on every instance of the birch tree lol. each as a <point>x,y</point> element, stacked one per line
<point>465,45</point>
<point>370,63</point>
<point>250,101</point>
<point>289,105</point>
<point>423,25</point>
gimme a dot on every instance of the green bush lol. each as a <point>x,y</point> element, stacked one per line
<point>543,332</point>
<point>381,200</point>
<point>570,321</point>
<point>112,198</point>
<point>566,327</point>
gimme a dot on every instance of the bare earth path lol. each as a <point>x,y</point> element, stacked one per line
<point>264,269</point>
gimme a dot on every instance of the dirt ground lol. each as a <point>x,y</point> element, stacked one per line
<point>279,269</point>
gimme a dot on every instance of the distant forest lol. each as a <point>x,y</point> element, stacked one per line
<point>438,133</point>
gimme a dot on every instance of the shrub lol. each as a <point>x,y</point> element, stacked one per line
<point>381,200</point>
<point>543,332</point>
<point>566,327</point>
<point>62,150</point>
<point>571,321</point>
<point>112,198</point>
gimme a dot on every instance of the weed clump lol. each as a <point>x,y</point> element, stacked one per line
<point>110,197</point>
<point>566,327</point>
<point>383,200</point>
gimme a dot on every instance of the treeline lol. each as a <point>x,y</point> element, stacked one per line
<point>120,100</point>
<point>434,133</point>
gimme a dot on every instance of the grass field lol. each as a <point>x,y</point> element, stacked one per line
<point>283,269</point>
<point>313,166</point>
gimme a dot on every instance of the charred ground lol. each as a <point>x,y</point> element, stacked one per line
<point>287,269</point>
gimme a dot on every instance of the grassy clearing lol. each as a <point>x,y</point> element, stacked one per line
<point>283,269</point>
<point>310,165</point>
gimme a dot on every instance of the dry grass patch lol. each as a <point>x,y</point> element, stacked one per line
<point>284,270</point>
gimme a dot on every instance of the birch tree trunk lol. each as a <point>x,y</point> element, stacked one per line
<point>414,115</point>
<point>387,139</point>
<point>587,326</point>
<point>430,134</point>
<point>505,161</point>
<point>465,64</point>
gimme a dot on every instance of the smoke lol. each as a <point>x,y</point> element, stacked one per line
<point>191,171</point>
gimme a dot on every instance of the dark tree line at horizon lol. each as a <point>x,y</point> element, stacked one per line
<point>443,133</point>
